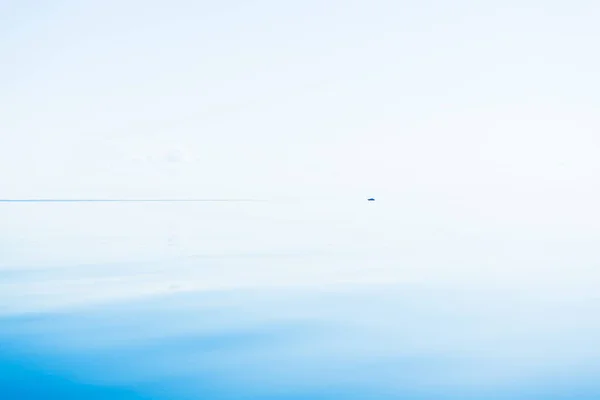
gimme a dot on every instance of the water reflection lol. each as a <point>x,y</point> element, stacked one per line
<point>296,312</point>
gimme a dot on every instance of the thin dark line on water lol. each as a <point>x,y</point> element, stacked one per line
<point>124,200</point>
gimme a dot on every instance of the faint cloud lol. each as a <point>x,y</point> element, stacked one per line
<point>153,151</point>
<point>176,155</point>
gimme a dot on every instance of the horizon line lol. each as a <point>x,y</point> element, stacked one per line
<point>92,200</point>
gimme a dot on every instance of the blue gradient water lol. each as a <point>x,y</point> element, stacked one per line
<point>292,300</point>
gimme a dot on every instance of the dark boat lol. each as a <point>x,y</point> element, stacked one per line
<point>371,199</point>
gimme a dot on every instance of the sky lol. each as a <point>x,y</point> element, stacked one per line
<point>267,99</point>
<point>473,124</point>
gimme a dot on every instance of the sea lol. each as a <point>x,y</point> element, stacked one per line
<point>287,299</point>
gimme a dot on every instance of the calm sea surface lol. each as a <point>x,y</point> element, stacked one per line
<point>293,300</point>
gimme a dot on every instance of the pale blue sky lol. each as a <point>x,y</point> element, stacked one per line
<point>270,98</point>
<point>466,120</point>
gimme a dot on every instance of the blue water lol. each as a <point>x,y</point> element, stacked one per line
<point>291,300</point>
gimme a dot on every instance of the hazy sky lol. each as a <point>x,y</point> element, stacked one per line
<point>488,101</point>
